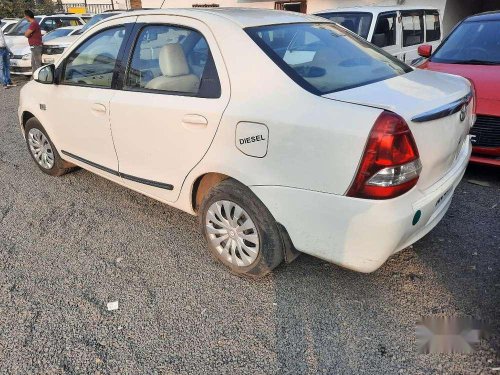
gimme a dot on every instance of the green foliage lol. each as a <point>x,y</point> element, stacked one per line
<point>15,8</point>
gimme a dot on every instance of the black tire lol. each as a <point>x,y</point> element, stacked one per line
<point>270,254</point>
<point>60,167</point>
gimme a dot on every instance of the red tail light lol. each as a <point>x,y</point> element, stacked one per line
<point>390,165</point>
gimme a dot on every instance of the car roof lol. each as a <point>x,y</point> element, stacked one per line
<point>487,16</point>
<point>243,17</point>
<point>375,9</point>
<point>64,15</point>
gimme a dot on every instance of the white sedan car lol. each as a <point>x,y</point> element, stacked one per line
<point>284,133</point>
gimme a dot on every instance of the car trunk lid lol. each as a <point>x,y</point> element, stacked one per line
<point>416,96</point>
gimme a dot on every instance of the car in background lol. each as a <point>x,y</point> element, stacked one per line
<point>87,16</point>
<point>22,54</point>
<point>360,161</point>
<point>47,24</point>
<point>18,43</point>
<point>7,24</point>
<point>61,32</point>
<point>57,34</point>
<point>52,50</point>
<point>399,30</point>
<point>472,50</point>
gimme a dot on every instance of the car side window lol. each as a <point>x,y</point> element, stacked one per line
<point>93,62</point>
<point>413,28</point>
<point>173,59</point>
<point>385,30</point>
<point>432,26</point>
<point>48,25</point>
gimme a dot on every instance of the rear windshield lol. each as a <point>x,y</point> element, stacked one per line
<point>324,58</point>
<point>96,19</point>
<point>357,22</point>
<point>475,42</point>
<point>57,33</point>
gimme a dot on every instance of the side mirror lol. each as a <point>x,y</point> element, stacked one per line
<point>45,74</point>
<point>425,50</point>
<point>44,32</point>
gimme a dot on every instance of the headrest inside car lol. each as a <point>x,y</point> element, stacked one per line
<point>173,61</point>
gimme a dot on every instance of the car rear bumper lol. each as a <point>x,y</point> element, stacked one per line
<point>361,234</point>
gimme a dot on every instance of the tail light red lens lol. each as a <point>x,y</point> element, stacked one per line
<point>390,165</point>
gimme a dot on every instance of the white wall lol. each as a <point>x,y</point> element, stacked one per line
<point>452,11</point>
<point>312,5</point>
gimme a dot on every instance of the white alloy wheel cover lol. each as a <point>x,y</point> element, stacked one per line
<point>232,233</point>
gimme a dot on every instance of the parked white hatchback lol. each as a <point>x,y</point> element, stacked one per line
<point>282,132</point>
<point>53,49</point>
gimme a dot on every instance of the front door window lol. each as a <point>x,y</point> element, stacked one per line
<point>93,62</point>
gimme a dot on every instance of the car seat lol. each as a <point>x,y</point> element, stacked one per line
<point>176,75</point>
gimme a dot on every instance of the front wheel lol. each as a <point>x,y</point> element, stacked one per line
<point>240,231</point>
<point>42,150</point>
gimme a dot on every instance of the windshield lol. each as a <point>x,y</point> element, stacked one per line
<point>357,22</point>
<point>58,33</point>
<point>323,58</point>
<point>22,26</point>
<point>96,19</point>
<point>475,42</point>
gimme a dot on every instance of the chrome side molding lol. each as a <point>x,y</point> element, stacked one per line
<point>445,110</point>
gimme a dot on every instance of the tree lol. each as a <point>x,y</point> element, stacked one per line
<point>15,8</point>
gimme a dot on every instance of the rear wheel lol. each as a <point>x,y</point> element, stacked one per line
<point>240,231</point>
<point>42,150</point>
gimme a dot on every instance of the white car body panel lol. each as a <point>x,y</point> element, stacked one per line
<point>170,122</point>
<point>356,233</point>
<point>410,95</point>
<point>314,143</point>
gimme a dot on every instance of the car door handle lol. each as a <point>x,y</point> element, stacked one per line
<point>98,107</point>
<point>196,120</point>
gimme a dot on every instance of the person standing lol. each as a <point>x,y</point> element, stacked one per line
<point>5,62</point>
<point>34,35</point>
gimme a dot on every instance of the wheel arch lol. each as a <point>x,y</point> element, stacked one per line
<point>25,117</point>
<point>202,184</point>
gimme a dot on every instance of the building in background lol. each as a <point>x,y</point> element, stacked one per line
<point>452,11</point>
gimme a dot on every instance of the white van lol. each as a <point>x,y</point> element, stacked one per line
<point>399,30</point>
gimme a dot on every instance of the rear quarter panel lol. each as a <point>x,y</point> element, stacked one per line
<point>314,143</point>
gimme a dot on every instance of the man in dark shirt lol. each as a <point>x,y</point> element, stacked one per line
<point>34,35</point>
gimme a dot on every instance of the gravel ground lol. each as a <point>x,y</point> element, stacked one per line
<point>70,245</point>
